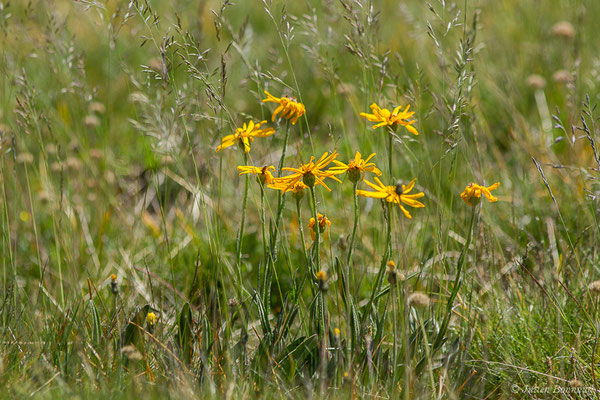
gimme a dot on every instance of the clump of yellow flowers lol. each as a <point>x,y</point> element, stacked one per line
<point>317,170</point>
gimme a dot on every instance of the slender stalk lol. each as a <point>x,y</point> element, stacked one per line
<point>322,311</point>
<point>457,281</point>
<point>390,148</point>
<point>281,197</point>
<point>347,280</point>
<point>382,266</point>
<point>351,247</point>
<point>394,296</point>
<point>427,351</point>
<point>300,222</point>
<point>264,238</point>
<point>262,218</point>
<point>316,229</point>
<point>285,143</point>
<point>405,341</point>
<point>240,238</point>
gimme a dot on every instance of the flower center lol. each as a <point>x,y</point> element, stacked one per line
<point>309,179</point>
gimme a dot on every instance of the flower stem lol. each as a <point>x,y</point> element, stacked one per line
<point>285,143</point>
<point>262,218</point>
<point>281,197</point>
<point>300,222</point>
<point>351,247</point>
<point>347,280</point>
<point>240,238</point>
<point>390,147</point>
<point>394,297</point>
<point>316,229</point>
<point>382,266</point>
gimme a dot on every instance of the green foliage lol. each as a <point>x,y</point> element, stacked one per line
<point>110,114</point>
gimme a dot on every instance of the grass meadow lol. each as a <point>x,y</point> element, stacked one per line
<point>137,260</point>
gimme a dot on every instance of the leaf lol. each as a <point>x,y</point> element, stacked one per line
<point>96,326</point>
<point>184,334</point>
<point>133,333</point>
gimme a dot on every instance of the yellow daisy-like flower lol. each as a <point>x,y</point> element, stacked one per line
<point>297,188</point>
<point>394,194</point>
<point>472,193</point>
<point>289,108</point>
<point>385,117</point>
<point>263,173</point>
<point>311,173</point>
<point>324,224</point>
<point>356,168</point>
<point>246,134</point>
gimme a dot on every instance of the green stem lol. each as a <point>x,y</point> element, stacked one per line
<point>240,238</point>
<point>351,247</point>
<point>323,308</point>
<point>300,222</point>
<point>285,143</point>
<point>262,219</point>
<point>394,296</point>
<point>390,147</point>
<point>347,280</point>
<point>439,339</point>
<point>382,266</point>
<point>281,197</point>
<point>316,229</point>
<point>405,341</point>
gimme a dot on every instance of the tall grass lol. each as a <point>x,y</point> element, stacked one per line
<point>110,114</point>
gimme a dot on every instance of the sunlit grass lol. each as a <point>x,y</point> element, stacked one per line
<point>139,261</point>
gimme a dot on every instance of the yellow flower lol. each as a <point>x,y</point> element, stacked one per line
<point>321,276</point>
<point>324,224</point>
<point>474,191</point>
<point>246,134</point>
<point>297,188</point>
<point>311,173</point>
<point>356,168</point>
<point>263,173</point>
<point>384,117</point>
<point>151,318</point>
<point>289,108</point>
<point>394,194</point>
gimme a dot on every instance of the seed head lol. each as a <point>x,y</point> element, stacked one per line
<point>393,274</point>
<point>594,287</point>
<point>563,29</point>
<point>536,82</point>
<point>114,286</point>
<point>575,383</point>
<point>561,76</point>
<point>322,280</point>
<point>418,300</point>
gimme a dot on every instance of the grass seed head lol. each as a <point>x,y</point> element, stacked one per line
<point>418,300</point>
<point>563,29</point>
